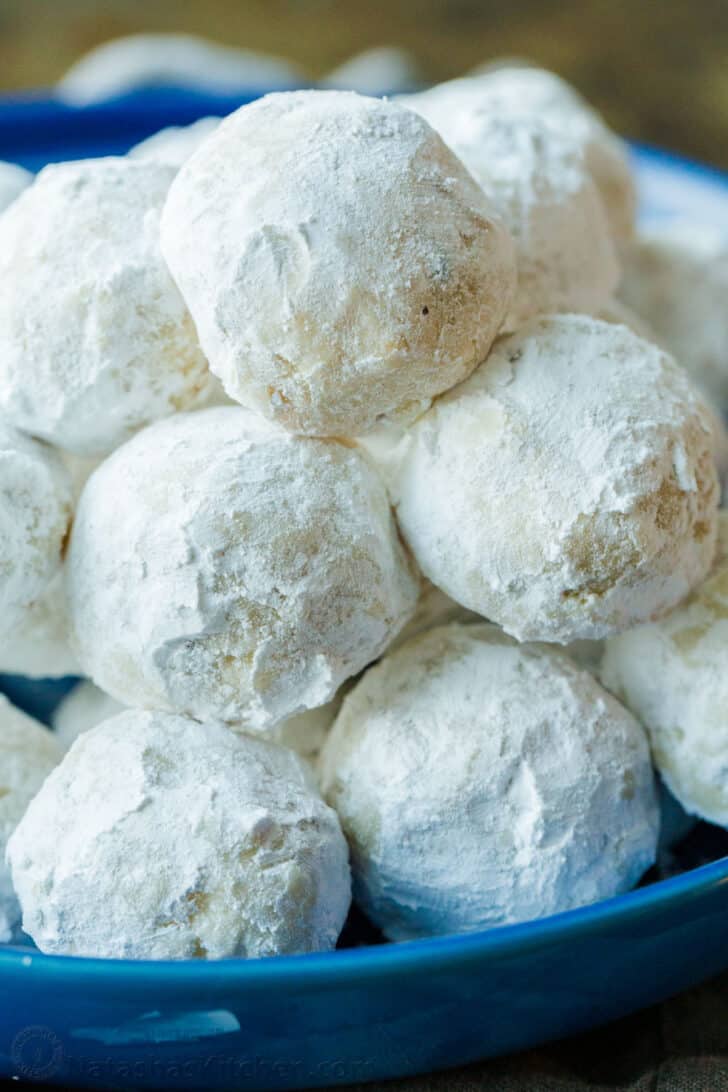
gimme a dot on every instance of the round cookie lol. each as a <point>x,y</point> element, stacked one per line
<point>514,88</point>
<point>253,572</point>
<point>81,710</point>
<point>376,71</point>
<point>480,783</point>
<point>161,838</point>
<point>536,178</point>
<point>87,705</point>
<point>28,753</point>
<point>13,180</point>
<point>673,675</point>
<point>95,340</point>
<point>618,313</point>
<point>138,61</point>
<point>567,489</point>
<point>676,279</point>
<point>174,145</point>
<point>35,511</point>
<point>340,263</point>
<point>38,643</point>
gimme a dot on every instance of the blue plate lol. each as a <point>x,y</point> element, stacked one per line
<point>373,1010</point>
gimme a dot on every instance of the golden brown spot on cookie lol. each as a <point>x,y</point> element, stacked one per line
<point>686,639</point>
<point>670,500</point>
<point>198,901</point>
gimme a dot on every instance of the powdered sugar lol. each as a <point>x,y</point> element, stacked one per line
<point>253,571</point>
<point>339,262</point>
<point>674,676</point>
<point>677,280</point>
<point>95,341</point>
<point>35,513</point>
<point>567,489</point>
<point>536,178</point>
<point>524,90</point>
<point>161,838</point>
<point>376,71</point>
<point>28,753</point>
<point>174,146</point>
<point>38,643</point>
<point>87,705</point>
<point>137,61</point>
<point>480,783</point>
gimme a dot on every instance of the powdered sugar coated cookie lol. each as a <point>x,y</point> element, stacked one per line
<point>568,488</point>
<point>526,89</point>
<point>28,753</point>
<point>480,782</point>
<point>174,145</point>
<point>95,340</point>
<point>35,512</point>
<point>536,177</point>
<point>38,644</point>
<point>339,262</point>
<point>676,279</point>
<point>673,675</point>
<point>162,838</point>
<point>252,573</point>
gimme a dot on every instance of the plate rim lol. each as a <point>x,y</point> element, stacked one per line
<point>382,959</point>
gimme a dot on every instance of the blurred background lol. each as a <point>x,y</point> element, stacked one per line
<point>658,71</point>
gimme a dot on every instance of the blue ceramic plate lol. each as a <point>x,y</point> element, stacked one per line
<point>373,1010</point>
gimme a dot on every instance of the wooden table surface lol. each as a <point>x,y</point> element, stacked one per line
<point>658,69</point>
